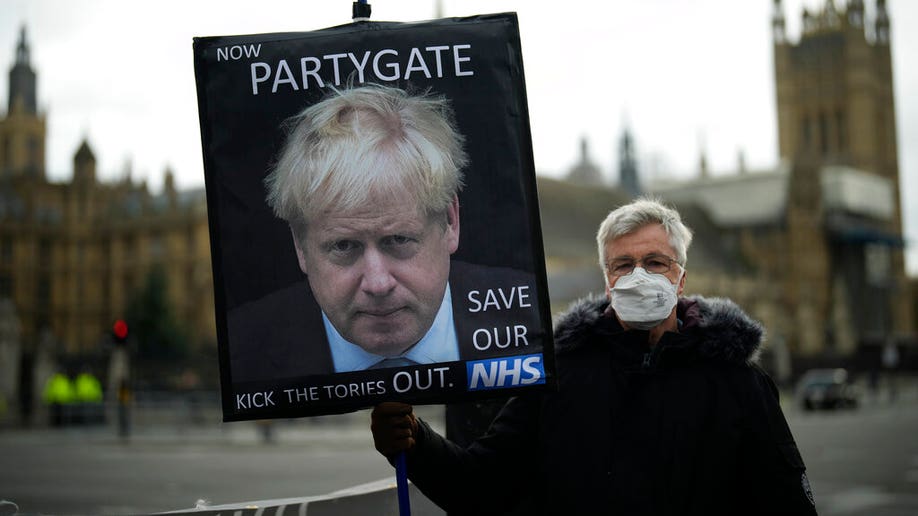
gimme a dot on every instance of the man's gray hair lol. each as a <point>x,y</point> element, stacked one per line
<point>637,214</point>
<point>364,141</point>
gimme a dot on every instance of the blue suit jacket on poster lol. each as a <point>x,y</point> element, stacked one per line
<point>282,336</point>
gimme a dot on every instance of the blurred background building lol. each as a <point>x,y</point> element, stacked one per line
<point>77,255</point>
<point>813,246</point>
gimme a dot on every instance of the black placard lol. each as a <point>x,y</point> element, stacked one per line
<point>274,356</point>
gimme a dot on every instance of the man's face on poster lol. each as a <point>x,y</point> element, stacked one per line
<point>379,272</point>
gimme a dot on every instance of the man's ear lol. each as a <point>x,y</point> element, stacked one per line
<point>681,283</point>
<point>300,253</point>
<point>452,225</point>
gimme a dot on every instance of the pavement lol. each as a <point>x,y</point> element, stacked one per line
<point>336,431</point>
<point>861,462</point>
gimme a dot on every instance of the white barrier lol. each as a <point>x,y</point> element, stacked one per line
<point>375,498</point>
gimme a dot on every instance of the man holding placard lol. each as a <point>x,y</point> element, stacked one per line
<point>660,407</point>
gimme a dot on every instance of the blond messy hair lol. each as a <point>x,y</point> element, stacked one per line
<point>367,141</point>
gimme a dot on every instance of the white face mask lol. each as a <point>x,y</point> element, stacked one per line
<point>643,300</point>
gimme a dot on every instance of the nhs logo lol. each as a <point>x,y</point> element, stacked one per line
<point>498,373</point>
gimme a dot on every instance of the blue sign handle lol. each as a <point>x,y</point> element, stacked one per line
<point>401,480</point>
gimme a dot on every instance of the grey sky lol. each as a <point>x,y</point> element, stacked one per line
<point>683,74</point>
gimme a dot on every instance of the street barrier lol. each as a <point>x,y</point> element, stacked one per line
<point>375,498</point>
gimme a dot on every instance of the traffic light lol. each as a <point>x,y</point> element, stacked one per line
<point>120,331</point>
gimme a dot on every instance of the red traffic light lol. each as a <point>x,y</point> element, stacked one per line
<point>120,330</point>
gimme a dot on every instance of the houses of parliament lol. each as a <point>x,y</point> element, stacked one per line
<point>813,247</point>
<point>73,253</point>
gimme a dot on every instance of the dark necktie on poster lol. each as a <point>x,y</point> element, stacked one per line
<point>393,362</point>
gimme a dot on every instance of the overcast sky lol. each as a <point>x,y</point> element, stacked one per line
<point>683,74</point>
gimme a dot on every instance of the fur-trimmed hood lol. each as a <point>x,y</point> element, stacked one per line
<point>723,330</point>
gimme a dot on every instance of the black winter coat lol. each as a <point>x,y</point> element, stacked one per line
<point>690,426</point>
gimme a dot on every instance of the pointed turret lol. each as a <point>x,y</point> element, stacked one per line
<point>627,165</point>
<point>882,23</point>
<point>809,24</point>
<point>703,172</point>
<point>84,164</point>
<point>856,13</point>
<point>169,188</point>
<point>585,171</point>
<point>830,16</point>
<point>22,80</point>
<point>778,30</point>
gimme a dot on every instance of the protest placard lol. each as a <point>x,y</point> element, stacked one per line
<point>373,213</point>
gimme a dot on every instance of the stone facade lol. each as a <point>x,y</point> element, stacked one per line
<point>73,253</point>
<point>812,247</point>
<point>836,125</point>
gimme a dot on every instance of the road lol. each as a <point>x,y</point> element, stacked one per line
<point>163,468</point>
<point>862,462</point>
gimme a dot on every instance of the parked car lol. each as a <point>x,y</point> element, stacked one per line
<point>826,389</point>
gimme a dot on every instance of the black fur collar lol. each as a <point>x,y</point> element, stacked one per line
<point>725,332</point>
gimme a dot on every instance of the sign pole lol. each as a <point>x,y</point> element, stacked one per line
<point>401,479</point>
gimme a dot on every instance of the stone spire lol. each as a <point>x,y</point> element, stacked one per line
<point>585,171</point>
<point>627,165</point>
<point>22,80</point>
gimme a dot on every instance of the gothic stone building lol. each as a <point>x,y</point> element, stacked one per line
<point>812,247</point>
<point>824,227</point>
<point>73,253</point>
